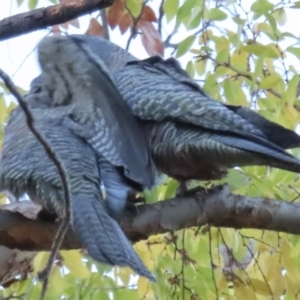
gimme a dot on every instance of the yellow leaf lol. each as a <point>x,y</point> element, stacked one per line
<point>73,261</point>
<point>222,282</point>
<point>260,287</point>
<point>288,262</point>
<point>291,285</point>
<point>57,284</point>
<point>258,50</point>
<point>144,253</point>
<point>228,236</point>
<point>239,60</point>
<point>296,250</point>
<point>125,274</point>
<point>144,288</point>
<point>261,247</point>
<point>291,93</point>
<point>270,81</point>
<point>40,261</point>
<point>3,110</point>
<point>272,266</point>
<point>277,283</point>
<point>291,113</point>
<point>243,292</point>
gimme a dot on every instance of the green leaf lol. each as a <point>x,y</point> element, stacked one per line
<point>270,81</point>
<point>280,16</point>
<point>262,6</point>
<point>223,56</point>
<point>200,66</point>
<point>291,92</point>
<point>184,11</point>
<point>134,6</point>
<point>170,9</point>
<point>20,2</point>
<point>239,21</point>
<point>294,50</point>
<point>171,189</point>
<point>229,90</point>
<point>190,69</point>
<point>185,45</point>
<point>206,49</point>
<point>32,4</point>
<point>258,50</point>
<point>272,21</point>
<point>216,14</point>
<point>195,19</point>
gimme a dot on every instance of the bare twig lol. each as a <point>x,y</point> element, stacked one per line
<point>135,22</point>
<point>44,275</point>
<point>160,16</point>
<point>239,73</point>
<point>212,265</point>
<point>104,24</point>
<point>47,16</point>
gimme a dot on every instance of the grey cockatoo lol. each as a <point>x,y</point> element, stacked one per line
<point>191,135</point>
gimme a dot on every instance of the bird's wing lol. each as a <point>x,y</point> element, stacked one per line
<point>72,74</point>
<point>26,168</point>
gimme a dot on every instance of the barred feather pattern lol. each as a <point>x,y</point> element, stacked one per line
<point>26,168</point>
<point>188,152</point>
<point>73,74</point>
<point>190,134</point>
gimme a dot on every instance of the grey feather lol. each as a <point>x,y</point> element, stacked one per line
<point>25,168</point>
<point>192,135</point>
<point>74,76</point>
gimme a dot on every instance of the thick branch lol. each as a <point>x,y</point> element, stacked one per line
<point>47,16</point>
<point>216,207</point>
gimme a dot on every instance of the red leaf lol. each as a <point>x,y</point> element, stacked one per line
<point>74,23</point>
<point>148,14</point>
<point>56,30</point>
<point>95,28</point>
<point>151,39</point>
<point>125,23</point>
<point>115,13</point>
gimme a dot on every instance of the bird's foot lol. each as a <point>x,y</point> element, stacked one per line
<point>182,189</point>
<point>131,204</point>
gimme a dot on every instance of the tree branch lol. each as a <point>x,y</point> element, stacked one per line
<point>215,207</point>
<point>44,275</point>
<point>47,16</point>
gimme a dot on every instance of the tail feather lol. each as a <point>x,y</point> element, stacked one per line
<point>275,158</point>
<point>275,133</point>
<point>190,152</point>
<point>102,236</point>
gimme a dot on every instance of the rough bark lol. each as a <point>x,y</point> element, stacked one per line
<point>47,16</point>
<point>215,207</point>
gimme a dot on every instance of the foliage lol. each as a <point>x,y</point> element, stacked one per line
<point>240,50</point>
